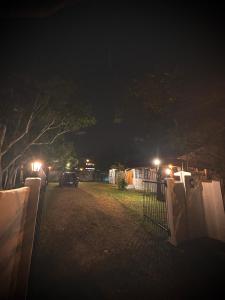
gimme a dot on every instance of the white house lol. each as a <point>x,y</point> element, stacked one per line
<point>135,177</point>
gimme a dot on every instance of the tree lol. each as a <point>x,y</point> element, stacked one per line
<point>35,113</point>
<point>185,116</point>
<point>62,155</point>
<point>118,166</point>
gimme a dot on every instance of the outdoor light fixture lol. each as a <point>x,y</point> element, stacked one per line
<point>168,171</point>
<point>68,165</point>
<point>81,169</point>
<point>87,160</point>
<point>36,166</point>
<point>156,162</point>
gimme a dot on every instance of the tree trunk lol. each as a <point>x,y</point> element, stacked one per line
<point>14,177</point>
<point>1,176</point>
<point>5,179</point>
<point>10,177</point>
<point>2,138</point>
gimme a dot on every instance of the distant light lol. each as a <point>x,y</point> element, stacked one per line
<point>36,166</point>
<point>81,169</point>
<point>49,167</point>
<point>168,171</point>
<point>170,166</point>
<point>156,161</point>
<point>68,165</point>
<point>87,160</point>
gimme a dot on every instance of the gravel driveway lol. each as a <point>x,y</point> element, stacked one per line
<point>93,248</point>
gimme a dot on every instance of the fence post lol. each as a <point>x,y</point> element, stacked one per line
<point>17,225</point>
<point>177,212</point>
<point>29,230</point>
<point>169,199</point>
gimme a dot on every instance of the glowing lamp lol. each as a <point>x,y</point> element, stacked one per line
<point>36,166</point>
<point>156,162</point>
<point>168,171</point>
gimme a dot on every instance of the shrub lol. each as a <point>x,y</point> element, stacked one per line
<point>121,184</point>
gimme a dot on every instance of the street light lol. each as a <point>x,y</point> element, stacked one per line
<point>156,162</point>
<point>36,166</point>
<point>168,171</point>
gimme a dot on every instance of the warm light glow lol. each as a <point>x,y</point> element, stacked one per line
<point>170,166</point>
<point>168,171</point>
<point>49,167</point>
<point>81,169</point>
<point>36,166</point>
<point>68,165</point>
<point>87,160</point>
<point>156,162</point>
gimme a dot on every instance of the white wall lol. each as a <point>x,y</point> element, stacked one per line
<point>13,205</point>
<point>137,182</point>
<point>18,209</point>
<point>195,213</point>
<point>112,176</point>
<point>214,210</point>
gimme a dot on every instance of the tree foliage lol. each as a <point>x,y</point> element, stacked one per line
<point>35,113</point>
<point>62,155</point>
<point>184,115</point>
<point>118,166</point>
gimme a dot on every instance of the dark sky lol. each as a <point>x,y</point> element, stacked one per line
<point>104,45</point>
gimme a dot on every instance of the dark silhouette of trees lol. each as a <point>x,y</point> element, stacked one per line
<point>34,114</point>
<point>184,116</point>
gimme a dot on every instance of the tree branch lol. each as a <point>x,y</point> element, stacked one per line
<point>10,145</point>
<point>2,137</point>
<point>34,142</point>
<point>54,138</point>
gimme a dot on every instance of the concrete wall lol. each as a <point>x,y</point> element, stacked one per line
<point>195,208</point>
<point>17,222</point>
<point>177,214</point>
<point>195,213</point>
<point>214,210</point>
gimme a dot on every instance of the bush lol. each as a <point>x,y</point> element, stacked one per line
<point>121,184</point>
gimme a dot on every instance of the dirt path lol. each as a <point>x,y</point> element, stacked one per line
<point>92,248</point>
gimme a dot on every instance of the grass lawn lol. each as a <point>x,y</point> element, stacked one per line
<point>131,199</point>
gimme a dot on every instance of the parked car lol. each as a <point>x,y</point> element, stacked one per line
<point>68,179</point>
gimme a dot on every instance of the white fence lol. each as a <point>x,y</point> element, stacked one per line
<point>18,211</point>
<point>195,212</point>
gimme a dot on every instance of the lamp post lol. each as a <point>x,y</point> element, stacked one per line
<point>157,163</point>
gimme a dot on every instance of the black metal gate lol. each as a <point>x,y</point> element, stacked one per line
<point>155,206</point>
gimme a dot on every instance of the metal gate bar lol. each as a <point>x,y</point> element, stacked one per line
<point>154,204</point>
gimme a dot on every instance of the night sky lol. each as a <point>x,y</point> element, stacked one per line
<point>104,46</point>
